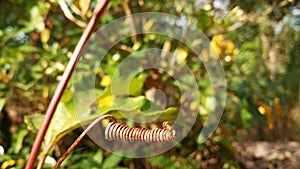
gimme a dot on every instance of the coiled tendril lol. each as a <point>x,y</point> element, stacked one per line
<point>119,131</point>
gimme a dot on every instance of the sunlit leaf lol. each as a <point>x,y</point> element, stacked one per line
<point>62,123</point>
<point>67,96</point>
<point>45,35</point>
<point>84,5</point>
<point>36,19</point>
<point>148,25</point>
<point>10,163</point>
<point>65,120</point>
<point>29,48</point>
<point>169,114</point>
<point>135,87</point>
<point>34,121</point>
<point>182,53</point>
<point>105,101</point>
<point>2,103</point>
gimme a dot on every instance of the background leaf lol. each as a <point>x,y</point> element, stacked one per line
<point>111,161</point>
<point>2,103</point>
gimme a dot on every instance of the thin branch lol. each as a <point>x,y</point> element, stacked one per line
<point>124,48</point>
<point>69,15</point>
<point>63,83</point>
<point>76,142</point>
<point>73,7</point>
<point>128,11</point>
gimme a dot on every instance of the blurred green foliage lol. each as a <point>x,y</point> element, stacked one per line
<point>257,42</point>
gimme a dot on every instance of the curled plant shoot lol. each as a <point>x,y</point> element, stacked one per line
<point>119,131</point>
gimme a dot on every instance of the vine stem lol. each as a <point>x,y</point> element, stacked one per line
<point>63,83</point>
<point>76,142</point>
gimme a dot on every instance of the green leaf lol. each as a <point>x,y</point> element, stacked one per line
<point>34,121</point>
<point>65,119</point>
<point>111,161</point>
<point>17,140</point>
<point>2,103</point>
<point>135,87</point>
<point>98,157</point>
<point>67,96</point>
<point>130,103</point>
<point>160,160</point>
<point>246,118</point>
<point>169,114</point>
<point>63,122</point>
<point>29,48</point>
<point>36,18</point>
<point>132,107</point>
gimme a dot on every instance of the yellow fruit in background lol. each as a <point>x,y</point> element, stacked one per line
<point>224,48</point>
<point>106,80</point>
<point>262,110</point>
<point>182,54</point>
<point>218,40</point>
<point>217,49</point>
<point>218,44</point>
<point>45,35</point>
<point>229,48</point>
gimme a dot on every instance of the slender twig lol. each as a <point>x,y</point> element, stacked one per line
<point>61,86</point>
<point>69,14</point>
<point>128,11</point>
<point>76,142</point>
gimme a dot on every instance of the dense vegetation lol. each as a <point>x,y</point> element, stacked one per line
<point>257,42</point>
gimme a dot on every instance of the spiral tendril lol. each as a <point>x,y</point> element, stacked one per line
<point>119,131</point>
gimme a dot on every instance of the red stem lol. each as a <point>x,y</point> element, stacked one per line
<point>63,83</point>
